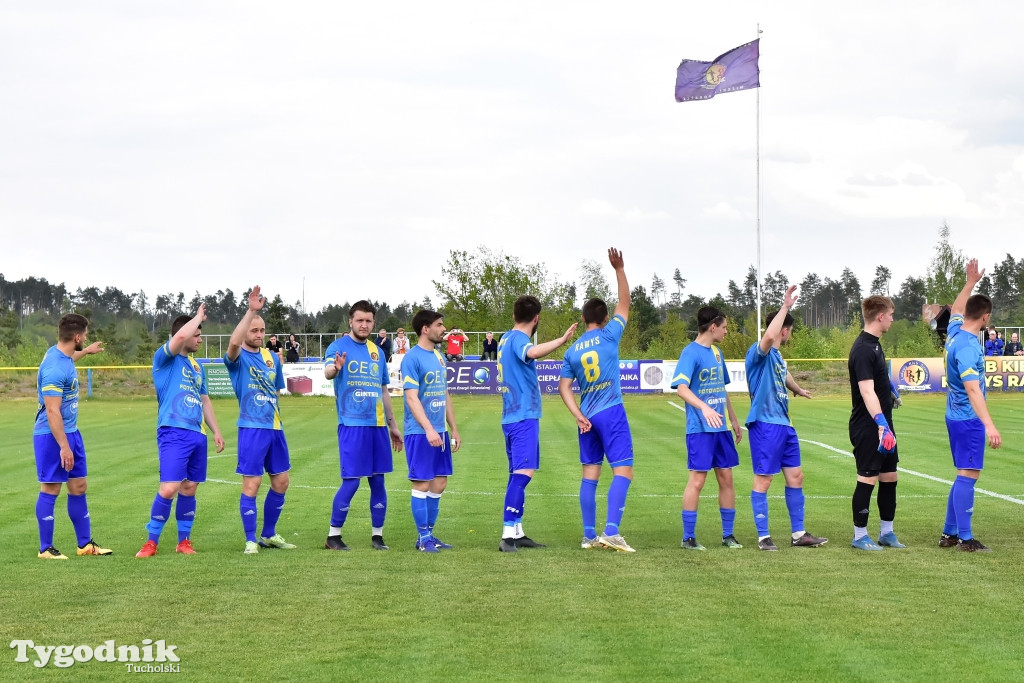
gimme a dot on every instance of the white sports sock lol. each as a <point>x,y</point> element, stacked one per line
<point>335,531</point>
<point>376,531</point>
<point>859,532</point>
<point>885,528</point>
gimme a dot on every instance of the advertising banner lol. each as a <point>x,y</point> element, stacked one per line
<point>1002,373</point>
<point>473,377</point>
<point>656,375</point>
<point>218,384</point>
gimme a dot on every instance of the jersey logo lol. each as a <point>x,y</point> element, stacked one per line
<point>374,355</point>
<point>267,358</point>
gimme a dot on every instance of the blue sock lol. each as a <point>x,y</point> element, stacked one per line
<point>45,504</point>
<point>342,501</point>
<point>378,500</point>
<point>78,511</point>
<point>272,506</point>
<point>963,501</point>
<point>420,514</point>
<point>515,497</point>
<point>728,518</point>
<point>689,523</point>
<point>184,514</point>
<point>795,504</point>
<point>616,504</point>
<point>247,510</point>
<point>588,507</point>
<point>950,526</point>
<point>759,506</point>
<point>433,507</point>
<point>158,514</point>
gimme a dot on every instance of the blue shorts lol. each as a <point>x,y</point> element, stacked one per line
<point>967,442</point>
<point>48,466</point>
<point>364,451</point>
<point>182,454</point>
<point>707,450</point>
<point>522,444</point>
<point>262,450</point>
<point>426,461</point>
<point>772,447</point>
<point>609,435</point>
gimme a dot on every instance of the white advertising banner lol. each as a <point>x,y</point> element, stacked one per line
<point>308,379</point>
<point>656,375</point>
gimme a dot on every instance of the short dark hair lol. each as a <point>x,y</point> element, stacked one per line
<point>424,318</point>
<point>363,306</point>
<point>595,311</point>
<point>180,322</point>
<point>977,306</point>
<point>708,316</point>
<point>70,325</point>
<point>788,322</point>
<point>526,308</point>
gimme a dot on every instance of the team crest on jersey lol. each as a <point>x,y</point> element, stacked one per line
<point>718,354</point>
<point>374,355</point>
<point>270,363</point>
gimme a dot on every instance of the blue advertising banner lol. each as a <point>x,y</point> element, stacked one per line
<point>473,377</point>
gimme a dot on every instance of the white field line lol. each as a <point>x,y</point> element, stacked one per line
<point>940,480</point>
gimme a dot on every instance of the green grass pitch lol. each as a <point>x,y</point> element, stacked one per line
<point>560,613</point>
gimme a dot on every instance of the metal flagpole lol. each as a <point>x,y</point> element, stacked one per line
<point>758,156</point>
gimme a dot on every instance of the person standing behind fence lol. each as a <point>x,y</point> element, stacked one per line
<point>57,443</point>
<point>291,349</point>
<point>182,404</point>
<point>384,342</point>
<point>456,339</point>
<point>490,351</point>
<point>365,423</point>
<point>256,377</point>
<point>401,342</point>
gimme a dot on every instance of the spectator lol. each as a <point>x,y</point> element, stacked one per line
<point>384,342</point>
<point>456,338</point>
<point>1014,348</point>
<point>276,347</point>
<point>291,349</point>
<point>490,348</point>
<point>993,345</point>
<point>401,342</point>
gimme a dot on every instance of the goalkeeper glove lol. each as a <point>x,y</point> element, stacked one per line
<point>886,444</point>
<point>896,400</point>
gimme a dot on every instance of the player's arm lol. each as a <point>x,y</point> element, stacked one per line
<point>736,429</point>
<point>775,329</point>
<point>711,415</point>
<point>95,347</point>
<point>211,422</point>
<point>187,331</point>
<point>794,387</point>
<point>449,416</point>
<point>569,399</point>
<point>331,370</point>
<point>412,399</point>
<point>389,415</point>
<point>256,301</point>
<point>622,307</point>
<point>977,399</point>
<point>56,422</point>
<point>541,350</point>
<point>886,439</point>
<point>973,278</point>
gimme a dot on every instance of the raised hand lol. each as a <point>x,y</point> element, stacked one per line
<point>256,299</point>
<point>615,258</point>
<point>789,299</point>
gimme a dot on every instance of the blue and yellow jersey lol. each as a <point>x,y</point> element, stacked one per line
<point>180,387</point>
<point>360,385</point>
<point>57,377</point>
<point>702,369</point>
<point>593,361</point>
<point>965,362</point>
<point>517,379</point>
<point>256,378</point>
<point>425,373</point>
<point>766,383</point>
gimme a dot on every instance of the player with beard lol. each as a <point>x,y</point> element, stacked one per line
<point>56,441</point>
<point>365,422</point>
<point>183,403</point>
<point>520,413</point>
<point>256,377</point>
<point>428,448</point>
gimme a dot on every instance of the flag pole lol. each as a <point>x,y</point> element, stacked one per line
<point>758,164</point>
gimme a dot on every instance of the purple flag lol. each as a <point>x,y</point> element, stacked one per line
<point>735,70</point>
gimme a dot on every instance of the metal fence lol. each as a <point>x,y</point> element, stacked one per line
<point>313,345</point>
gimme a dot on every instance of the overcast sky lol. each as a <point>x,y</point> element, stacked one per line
<point>183,146</point>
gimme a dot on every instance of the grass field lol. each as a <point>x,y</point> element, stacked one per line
<point>560,613</point>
